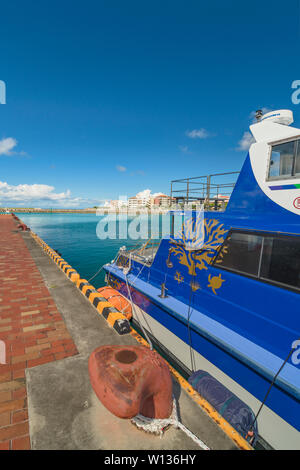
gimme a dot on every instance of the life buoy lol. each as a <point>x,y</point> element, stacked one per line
<point>117,300</point>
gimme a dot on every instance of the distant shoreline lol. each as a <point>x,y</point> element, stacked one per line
<point>81,211</point>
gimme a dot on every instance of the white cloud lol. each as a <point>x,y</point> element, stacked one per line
<point>121,168</point>
<point>28,194</point>
<point>247,139</point>
<point>144,194</point>
<point>184,148</point>
<point>6,146</point>
<point>245,142</point>
<point>137,173</point>
<point>198,134</point>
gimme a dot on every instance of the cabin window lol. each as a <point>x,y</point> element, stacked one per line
<point>297,161</point>
<point>275,259</point>
<point>282,160</point>
<point>285,160</point>
<point>241,252</point>
<point>281,261</point>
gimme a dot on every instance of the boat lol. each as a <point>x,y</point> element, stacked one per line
<point>222,296</point>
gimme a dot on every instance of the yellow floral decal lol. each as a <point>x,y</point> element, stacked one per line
<point>215,282</point>
<point>199,239</point>
<point>178,277</point>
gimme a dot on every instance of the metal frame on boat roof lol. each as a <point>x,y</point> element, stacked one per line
<point>200,188</point>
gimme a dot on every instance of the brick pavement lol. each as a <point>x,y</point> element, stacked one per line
<point>32,329</point>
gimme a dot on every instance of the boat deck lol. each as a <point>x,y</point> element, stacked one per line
<point>50,329</point>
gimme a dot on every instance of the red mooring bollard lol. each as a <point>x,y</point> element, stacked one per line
<point>23,227</point>
<point>131,380</point>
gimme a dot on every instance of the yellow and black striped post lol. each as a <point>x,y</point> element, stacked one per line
<point>113,317</point>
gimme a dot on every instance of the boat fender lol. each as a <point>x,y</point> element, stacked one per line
<point>234,411</point>
<point>117,300</point>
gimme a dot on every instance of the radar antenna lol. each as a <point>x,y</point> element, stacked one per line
<point>259,115</point>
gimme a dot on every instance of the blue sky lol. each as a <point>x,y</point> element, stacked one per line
<point>102,97</point>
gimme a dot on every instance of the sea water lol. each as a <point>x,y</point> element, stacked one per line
<point>75,237</point>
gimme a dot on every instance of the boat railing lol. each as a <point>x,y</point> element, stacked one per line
<point>144,253</point>
<point>213,191</point>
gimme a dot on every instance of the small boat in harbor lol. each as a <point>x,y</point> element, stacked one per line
<point>222,297</point>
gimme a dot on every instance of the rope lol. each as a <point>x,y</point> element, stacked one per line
<point>98,272</point>
<point>136,315</point>
<point>115,260</point>
<point>126,271</point>
<point>158,426</point>
<point>133,306</point>
<point>190,311</point>
<point>132,283</point>
<point>250,433</point>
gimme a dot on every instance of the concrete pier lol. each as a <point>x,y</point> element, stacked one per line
<point>50,328</point>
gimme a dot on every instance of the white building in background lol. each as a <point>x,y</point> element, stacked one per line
<point>142,201</point>
<point>116,204</point>
<point>146,200</point>
<point>138,203</point>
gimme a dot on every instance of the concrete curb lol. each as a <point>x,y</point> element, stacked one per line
<point>114,318</point>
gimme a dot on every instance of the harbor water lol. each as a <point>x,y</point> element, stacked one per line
<point>75,237</point>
